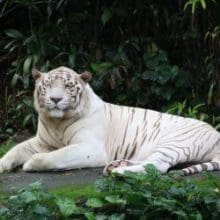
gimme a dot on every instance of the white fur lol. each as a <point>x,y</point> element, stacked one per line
<point>91,133</point>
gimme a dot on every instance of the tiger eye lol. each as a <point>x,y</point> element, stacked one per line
<point>78,88</point>
<point>68,76</point>
<point>70,84</point>
<point>46,82</point>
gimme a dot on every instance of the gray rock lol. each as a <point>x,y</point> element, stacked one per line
<point>13,181</point>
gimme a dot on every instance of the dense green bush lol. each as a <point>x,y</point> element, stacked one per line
<point>143,53</point>
<point>132,196</point>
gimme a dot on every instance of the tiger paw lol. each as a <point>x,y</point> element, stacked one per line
<point>28,166</point>
<point>35,163</point>
<point>4,166</point>
<point>114,164</point>
<point>133,168</point>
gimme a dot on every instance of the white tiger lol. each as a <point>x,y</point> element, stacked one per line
<point>77,129</point>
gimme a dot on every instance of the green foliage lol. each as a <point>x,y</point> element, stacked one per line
<point>131,196</point>
<point>29,203</point>
<point>20,114</point>
<point>162,78</point>
<point>154,196</point>
<point>6,147</point>
<point>155,81</point>
<point>194,3</point>
<point>197,111</point>
<point>169,56</point>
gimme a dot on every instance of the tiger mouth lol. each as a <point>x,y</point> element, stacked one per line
<point>66,109</point>
<point>55,108</point>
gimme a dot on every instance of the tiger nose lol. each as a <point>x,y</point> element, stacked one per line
<point>56,99</point>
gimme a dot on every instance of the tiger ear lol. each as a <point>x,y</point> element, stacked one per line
<point>86,76</point>
<point>36,73</point>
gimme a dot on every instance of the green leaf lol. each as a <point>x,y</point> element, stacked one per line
<point>90,216</point>
<point>66,206</point>
<point>9,131</point>
<point>115,199</point>
<point>106,15</point>
<point>14,80</point>
<point>117,217</point>
<point>94,67</point>
<point>26,120</point>
<point>210,94</point>
<point>181,213</point>
<point>150,168</point>
<point>28,197</point>
<point>198,216</point>
<point>13,33</point>
<point>209,200</point>
<point>28,103</point>
<point>26,82</point>
<point>35,58</point>
<point>177,191</point>
<point>41,210</point>
<point>9,45</point>
<point>193,7</point>
<point>27,64</point>
<point>186,5</point>
<point>203,3</point>
<point>149,75</point>
<point>101,67</point>
<point>4,211</point>
<point>94,203</point>
<point>72,57</point>
<point>218,205</point>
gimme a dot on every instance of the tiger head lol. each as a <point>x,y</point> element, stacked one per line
<point>58,93</point>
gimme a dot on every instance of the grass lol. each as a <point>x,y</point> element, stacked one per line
<point>77,192</point>
<point>206,179</point>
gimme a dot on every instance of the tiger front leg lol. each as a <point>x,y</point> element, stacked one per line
<point>18,155</point>
<point>71,157</point>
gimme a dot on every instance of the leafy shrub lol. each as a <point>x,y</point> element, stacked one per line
<point>19,114</point>
<point>154,196</point>
<point>132,196</point>
<point>197,111</point>
<point>162,78</point>
<point>34,202</point>
<point>153,84</point>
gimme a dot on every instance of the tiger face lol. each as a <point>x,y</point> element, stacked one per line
<point>59,91</point>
